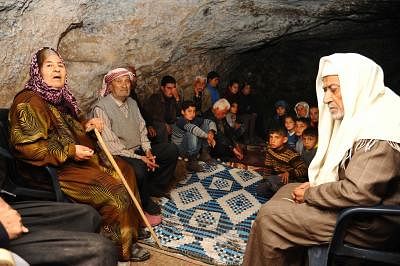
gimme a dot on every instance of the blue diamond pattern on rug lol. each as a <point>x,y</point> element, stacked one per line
<point>245,177</point>
<point>239,205</point>
<point>210,214</point>
<point>190,196</point>
<point>205,219</point>
<point>209,169</point>
<point>221,184</point>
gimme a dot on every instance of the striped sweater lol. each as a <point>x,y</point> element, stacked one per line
<point>194,127</point>
<point>285,160</point>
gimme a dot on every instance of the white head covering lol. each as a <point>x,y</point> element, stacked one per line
<point>110,76</point>
<point>370,112</point>
<point>305,105</point>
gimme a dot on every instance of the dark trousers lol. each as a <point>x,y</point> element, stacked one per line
<point>62,234</point>
<point>155,183</point>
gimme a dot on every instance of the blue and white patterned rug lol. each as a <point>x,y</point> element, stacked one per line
<point>210,214</point>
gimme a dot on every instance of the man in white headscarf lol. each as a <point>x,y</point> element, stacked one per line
<point>357,164</point>
<point>302,109</point>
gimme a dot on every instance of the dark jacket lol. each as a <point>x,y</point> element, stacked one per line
<point>160,109</point>
<point>232,98</point>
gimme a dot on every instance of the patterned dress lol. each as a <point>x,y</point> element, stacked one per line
<point>41,135</point>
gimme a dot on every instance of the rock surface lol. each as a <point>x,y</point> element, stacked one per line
<point>183,38</point>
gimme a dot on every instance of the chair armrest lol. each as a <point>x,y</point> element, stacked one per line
<point>56,185</point>
<point>59,196</point>
<point>340,248</point>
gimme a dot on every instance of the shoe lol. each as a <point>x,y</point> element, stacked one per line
<point>143,234</point>
<point>205,156</point>
<point>193,165</point>
<point>139,254</point>
<point>153,219</point>
<point>152,207</point>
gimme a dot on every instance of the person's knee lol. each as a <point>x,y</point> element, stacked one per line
<point>120,201</point>
<point>191,140</point>
<point>269,212</point>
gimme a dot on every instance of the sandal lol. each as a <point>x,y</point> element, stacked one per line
<point>139,254</point>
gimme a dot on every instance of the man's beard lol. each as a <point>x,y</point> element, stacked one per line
<point>338,115</point>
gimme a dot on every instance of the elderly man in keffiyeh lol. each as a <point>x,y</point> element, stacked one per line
<point>45,130</point>
<point>125,134</point>
<point>356,164</point>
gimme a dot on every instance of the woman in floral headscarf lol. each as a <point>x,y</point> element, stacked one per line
<point>45,130</point>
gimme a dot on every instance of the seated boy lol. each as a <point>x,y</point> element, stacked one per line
<point>291,132</point>
<point>310,144</point>
<point>191,133</point>
<point>301,124</point>
<point>285,165</point>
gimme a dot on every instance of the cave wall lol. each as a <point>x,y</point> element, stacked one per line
<point>286,69</point>
<point>268,40</point>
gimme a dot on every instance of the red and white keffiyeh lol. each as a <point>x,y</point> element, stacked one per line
<point>110,76</point>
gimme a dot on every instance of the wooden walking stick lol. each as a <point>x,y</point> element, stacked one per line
<point>116,168</point>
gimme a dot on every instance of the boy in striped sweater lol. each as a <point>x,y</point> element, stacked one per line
<point>284,164</point>
<point>191,133</point>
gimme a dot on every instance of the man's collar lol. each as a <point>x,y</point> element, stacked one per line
<point>118,102</point>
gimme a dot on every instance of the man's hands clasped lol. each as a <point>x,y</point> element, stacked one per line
<point>150,160</point>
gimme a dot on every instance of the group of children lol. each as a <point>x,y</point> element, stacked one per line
<point>293,143</point>
<point>292,139</point>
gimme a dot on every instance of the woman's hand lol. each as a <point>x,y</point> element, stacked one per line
<point>298,192</point>
<point>83,153</point>
<point>94,123</point>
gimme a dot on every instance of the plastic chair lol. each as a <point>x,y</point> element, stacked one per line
<point>343,249</point>
<point>340,252</point>
<point>13,183</point>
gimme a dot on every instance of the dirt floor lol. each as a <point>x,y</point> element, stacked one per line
<point>161,257</point>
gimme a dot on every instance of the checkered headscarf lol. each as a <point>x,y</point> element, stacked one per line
<point>110,76</point>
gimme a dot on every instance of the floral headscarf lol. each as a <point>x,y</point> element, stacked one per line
<point>61,98</point>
